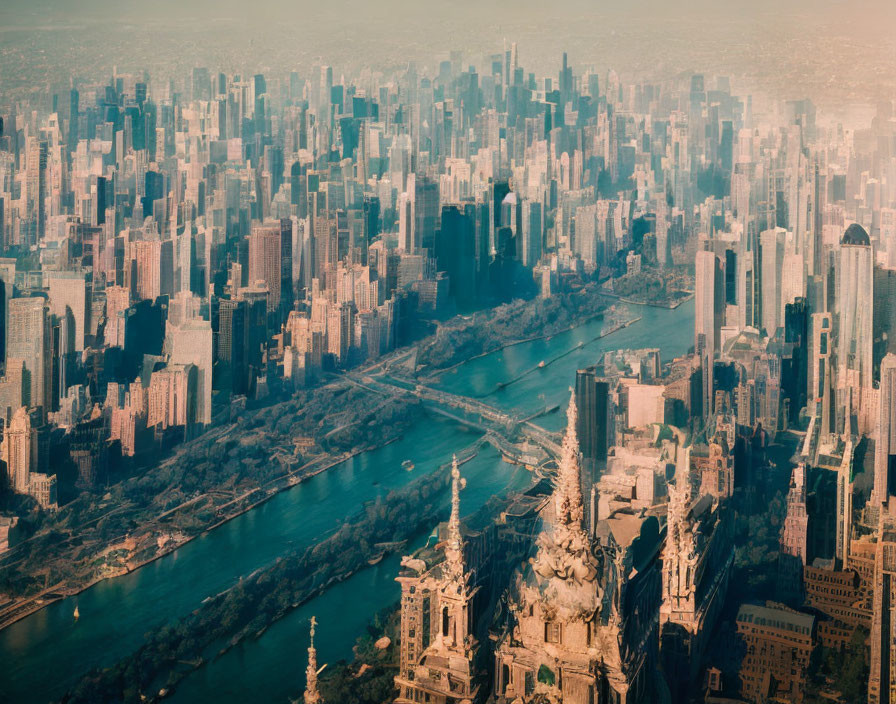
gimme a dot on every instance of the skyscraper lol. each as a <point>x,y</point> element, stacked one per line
<point>29,340</point>
<point>20,445</point>
<point>532,235</point>
<point>266,245</point>
<point>455,246</point>
<point>854,321</point>
<point>68,297</point>
<point>771,244</point>
<point>426,212</point>
<point>819,397</point>
<point>191,343</point>
<point>885,446</point>
<point>232,349</point>
<point>709,305</point>
<point>596,421</point>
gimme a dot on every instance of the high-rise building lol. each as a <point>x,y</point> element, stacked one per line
<point>20,450</point>
<point>29,340</point>
<point>771,244</point>
<point>820,378</point>
<point>709,306</point>
<point>884,315</point>
<point>455,244</point>
<point>531,238</point>
<point>146,269</point>
<point>270,262</point>
<point>7,286</point>
<point>596,415</point>
<point>854,322</point>
<point>265,261</point>
<point>885,443</point>
<point>68,301</point>
<point>233,341</point>
<point>117,303</point>
<point>191,343</point>
<point>794,545</point>
<point>426,213</point>
<point>172,397</point>
<point>36,184</point>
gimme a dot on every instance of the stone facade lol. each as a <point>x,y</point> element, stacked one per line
<point>438,642</point>
<point>697,560</point>
<point>779,644</point>
<point>581,619</point>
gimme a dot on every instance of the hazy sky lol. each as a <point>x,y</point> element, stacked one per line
<point>831,50</point>
<point>871,13</point>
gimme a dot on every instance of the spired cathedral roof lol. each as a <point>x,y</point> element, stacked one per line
<point>565,570</point>
<point>855,235</point>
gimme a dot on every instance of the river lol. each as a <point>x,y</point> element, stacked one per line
<point>44,654</point>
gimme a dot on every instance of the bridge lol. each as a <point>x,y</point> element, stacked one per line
<point>464,409</point>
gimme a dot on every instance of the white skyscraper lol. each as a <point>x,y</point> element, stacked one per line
<point>793,281</point>
<point>29,340</point>
<point>854,321</point>
<point>191,343</point>
<point>709,301</point>
<point>68,297</point>
<point>771,244</point>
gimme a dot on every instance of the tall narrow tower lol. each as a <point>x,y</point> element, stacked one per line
<point>312,696</point>
<point>885,446</point>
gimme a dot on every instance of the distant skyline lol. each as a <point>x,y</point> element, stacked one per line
<point>834,52</point>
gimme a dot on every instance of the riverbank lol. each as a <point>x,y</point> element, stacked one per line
<point>668,304</point>
<point>165,532</point>
<point>436,373</point>
<point>261,599</point>
<point>468,339</point>
<point>14,612</point>
<point>167,515</point>
<point>662,287</point>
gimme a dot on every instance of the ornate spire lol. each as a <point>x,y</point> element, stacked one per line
<point>678,502</point>
<point>454,547</point>
<point>564,555</point>
<point>568,491</point>
<point>312,696</point>
<point>680,551</point>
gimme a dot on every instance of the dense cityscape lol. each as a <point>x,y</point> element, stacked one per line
<point>450,380</point>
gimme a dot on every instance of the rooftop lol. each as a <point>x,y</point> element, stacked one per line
<point>771,617</point>
<point>855,235</point>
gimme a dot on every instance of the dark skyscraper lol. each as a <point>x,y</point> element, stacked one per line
<point>592,399</point>
<point>154,190</point>
<point>232,347</point>
<point>426,212</point>
<point>455,250</point>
